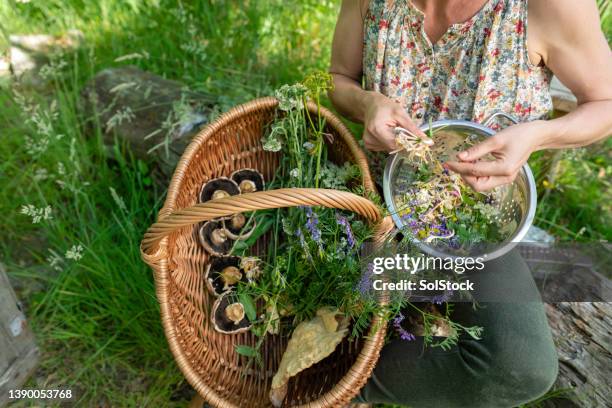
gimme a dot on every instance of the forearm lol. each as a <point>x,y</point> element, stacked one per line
<point>589,123</point>
<point>349,98</point>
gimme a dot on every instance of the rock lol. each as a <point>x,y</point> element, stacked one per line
<point>28,53</point>
<point>156,117</point>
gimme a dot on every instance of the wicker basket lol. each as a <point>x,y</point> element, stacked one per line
<point>206,357</point>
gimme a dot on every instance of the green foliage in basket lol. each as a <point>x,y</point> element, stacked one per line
<point>314,258</point>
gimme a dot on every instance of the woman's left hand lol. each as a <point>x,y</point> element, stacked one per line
<point>510,149</point>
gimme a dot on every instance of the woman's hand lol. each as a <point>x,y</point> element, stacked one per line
<point>382,115</point>
<point>510,149</point>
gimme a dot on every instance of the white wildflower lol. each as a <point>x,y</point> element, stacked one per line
<point>295,173</point>
<point>75,252</point>
<point>40,174</point>
<point>52,69</point>
<point>37,214</point>
<point>54,260</point>
<point>272,144</point>
<point>291,97</point>
<point>308,146</point>
<point>487,210</point>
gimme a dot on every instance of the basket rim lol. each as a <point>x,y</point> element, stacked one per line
<point>246,108</point>
<point>356,376</point>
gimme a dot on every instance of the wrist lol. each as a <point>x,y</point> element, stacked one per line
<point>543,135</point>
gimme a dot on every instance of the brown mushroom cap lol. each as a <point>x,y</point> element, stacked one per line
<point>223,274</point>
<point>235,227</point>
<point>248,180</point>
<point>214,238</point>
<point>228,315</point>
<point>218,188</point>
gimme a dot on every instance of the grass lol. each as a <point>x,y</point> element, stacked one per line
<point>95,316</point>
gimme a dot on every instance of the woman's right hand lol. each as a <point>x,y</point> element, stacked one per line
<point>382,116</point>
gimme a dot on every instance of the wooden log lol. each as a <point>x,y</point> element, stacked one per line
<point>582,330</point>
<point>582,334</point>
<point>18,352</point>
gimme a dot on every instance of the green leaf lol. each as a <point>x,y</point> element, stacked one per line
<point>247,351</point>
<point>249,306</point>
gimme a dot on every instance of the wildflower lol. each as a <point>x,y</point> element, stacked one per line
<point>52,69</point>
<point>347,230</point>
<point>365,283</point>
<point>403,333</point>
<point>37,214</point>
<point>312,226</point>
<point>317,83</point>
<point>75,252</point>
<point>300,235</point>
<point>55,260</point>
<point>295,173</point>
<point>41,174</point>
<point>290,97</point>
<point>272,144</point>
<point>442,298</point>
<point>308,146</point>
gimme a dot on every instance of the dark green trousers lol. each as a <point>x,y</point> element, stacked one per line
<point>513,363</point>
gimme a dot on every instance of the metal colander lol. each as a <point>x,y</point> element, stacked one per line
<point>516,203</point>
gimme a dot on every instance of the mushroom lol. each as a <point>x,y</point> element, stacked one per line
<point>234,226</point>
<point>248,180</point>
<point>228,315</point>
<point>218,188</point>
<point>214,238</point>
<point>223,274</point>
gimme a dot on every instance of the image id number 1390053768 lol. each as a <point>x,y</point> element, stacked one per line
<point>36,394</point>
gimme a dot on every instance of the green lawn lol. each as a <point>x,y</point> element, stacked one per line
<point>90,298</point>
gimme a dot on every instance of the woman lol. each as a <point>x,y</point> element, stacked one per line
<point>424,60</point>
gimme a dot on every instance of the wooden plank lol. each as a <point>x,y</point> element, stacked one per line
<point>18,352</point>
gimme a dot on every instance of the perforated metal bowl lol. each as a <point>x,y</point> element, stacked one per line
<point>518,203</point>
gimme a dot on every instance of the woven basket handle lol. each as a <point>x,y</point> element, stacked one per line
<point>261,200</point>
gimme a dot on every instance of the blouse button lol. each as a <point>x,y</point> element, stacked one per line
<point>429,51</point>
<point>419,115</point>
<point>425,84</point>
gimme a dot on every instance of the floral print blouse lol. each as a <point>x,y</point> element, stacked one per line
<point>476,68</point>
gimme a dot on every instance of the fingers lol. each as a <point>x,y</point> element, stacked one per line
<point>377,144</point>
<point>403,120</point>
<point>481,184</point>
<point>477,151</point>
<point>481,168</point>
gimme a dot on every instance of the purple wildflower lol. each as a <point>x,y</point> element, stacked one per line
<point>365,283</point>
<point>442,298</point>
<point>347,230</point>
<point>300,235</point>
<point>312,225</point>
<point>403,333</point>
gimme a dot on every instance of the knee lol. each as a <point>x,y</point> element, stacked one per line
<point>531,373</point>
